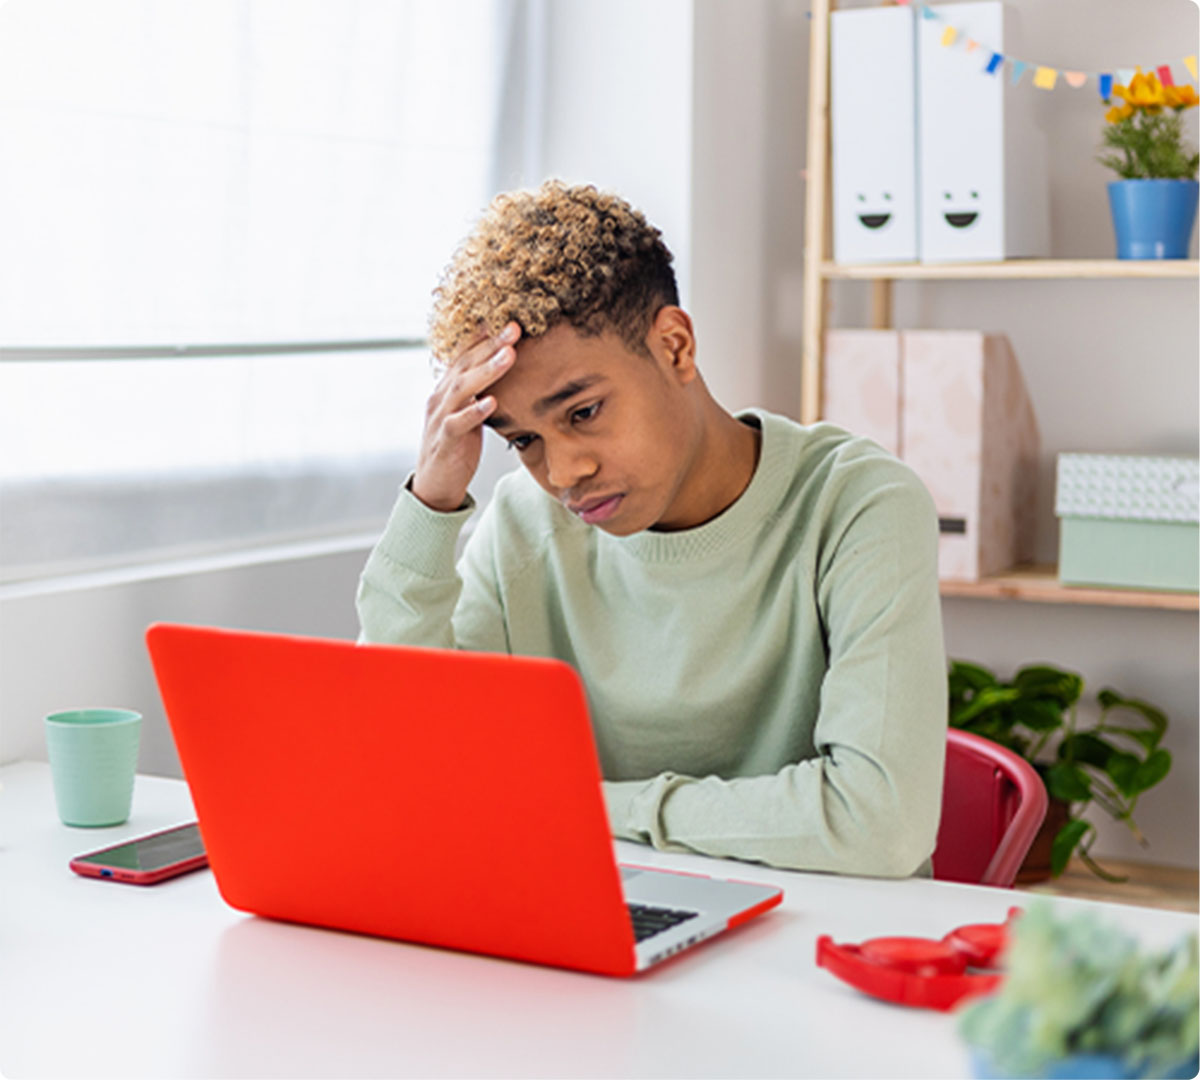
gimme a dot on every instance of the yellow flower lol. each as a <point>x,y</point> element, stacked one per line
<point>1138,139</point>
<point>1180,97</point>
<point>1144,92</point>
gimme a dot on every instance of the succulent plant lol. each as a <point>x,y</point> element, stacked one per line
<point>1076,985</point>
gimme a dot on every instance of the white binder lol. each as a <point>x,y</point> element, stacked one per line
<point>873,135</point>
<point>982,154</point>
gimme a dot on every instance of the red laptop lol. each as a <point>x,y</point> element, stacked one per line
<point>437,796</point>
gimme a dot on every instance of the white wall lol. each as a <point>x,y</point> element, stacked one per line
<point>618,108</point>
<point>1111,366</point>
<point>85,647</point>
<point>730,218</point>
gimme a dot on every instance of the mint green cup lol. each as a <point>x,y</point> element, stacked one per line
<point>93,760</point>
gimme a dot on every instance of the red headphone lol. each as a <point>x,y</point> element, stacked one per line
<point>924,972</point>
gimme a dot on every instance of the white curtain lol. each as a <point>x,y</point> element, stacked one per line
<point>177,173</point>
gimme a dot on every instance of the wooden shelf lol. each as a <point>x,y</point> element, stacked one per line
<point>1149,885</point>
<point>1015,269</point>
<point>1040,585</point>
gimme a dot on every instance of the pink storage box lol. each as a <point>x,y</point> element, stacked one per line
<point>862,384</point>
<point>952,405</point>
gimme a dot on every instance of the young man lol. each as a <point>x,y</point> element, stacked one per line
<point>752,605</point>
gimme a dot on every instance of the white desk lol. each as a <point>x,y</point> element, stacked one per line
<point>102,979</point>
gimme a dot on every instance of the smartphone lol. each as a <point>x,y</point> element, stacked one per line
<point>148,859</point>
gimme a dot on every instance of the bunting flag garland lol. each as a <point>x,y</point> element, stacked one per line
<point>1045,77</point>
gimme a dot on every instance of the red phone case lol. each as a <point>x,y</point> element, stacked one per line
<point>135,877</point>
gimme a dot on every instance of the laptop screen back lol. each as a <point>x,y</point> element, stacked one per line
<point>450,798</point>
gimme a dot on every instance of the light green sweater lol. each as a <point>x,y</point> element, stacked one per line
<point>768,686</point>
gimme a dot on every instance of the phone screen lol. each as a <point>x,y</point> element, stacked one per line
<point>151,852</point>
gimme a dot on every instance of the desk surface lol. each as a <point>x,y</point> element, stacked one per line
<point>102,979</point>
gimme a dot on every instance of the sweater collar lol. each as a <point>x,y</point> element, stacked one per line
<point>743,517</point>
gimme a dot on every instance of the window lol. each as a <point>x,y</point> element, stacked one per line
<point>222,225</point>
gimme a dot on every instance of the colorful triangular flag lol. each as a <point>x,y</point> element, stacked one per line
<point>994,63</point>
<point>1075,79</point>
<point>1019,67</point>
<point>1045,78</point>
<point>1190,62</point>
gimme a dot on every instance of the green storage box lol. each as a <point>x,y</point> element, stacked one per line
<point>1129,521</point>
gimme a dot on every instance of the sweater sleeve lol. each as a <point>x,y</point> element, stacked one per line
<point>869,802</point>
<point>412,593</point>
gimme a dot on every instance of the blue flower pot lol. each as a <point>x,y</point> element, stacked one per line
<point>1153,219</point>
<point>1083,1067</point>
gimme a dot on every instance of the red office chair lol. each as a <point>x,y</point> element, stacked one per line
<point>992,807</point>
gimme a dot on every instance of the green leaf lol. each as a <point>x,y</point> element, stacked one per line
<point>1152,770</point>
<point>1123,769</point>
<point>984,701</point>
<point>1086,749</point>
<point>1039,714</point>
<point>1064,843</point>
<point>964,682</point>
<point>1068,782</point>
<point>1040,680</point>
<point>1148,739</point>
<point>971,676</point>
<point>1152,714</point>
<point>1149,147</point>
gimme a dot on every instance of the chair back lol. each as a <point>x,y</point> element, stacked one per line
<point>993,804</point>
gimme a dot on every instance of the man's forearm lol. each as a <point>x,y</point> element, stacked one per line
<point>840,813</point>
<point>412,593</point>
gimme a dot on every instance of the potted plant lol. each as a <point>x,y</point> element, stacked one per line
<point>1080,998</point>
<point>1109,762</point>
<point>1154,203</point>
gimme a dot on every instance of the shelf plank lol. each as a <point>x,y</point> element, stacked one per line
<point>1016,269</point>
<point>1039,584</point>
<point>1149,885</point>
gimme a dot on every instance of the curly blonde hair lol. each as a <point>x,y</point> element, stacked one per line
<point>551,255</point>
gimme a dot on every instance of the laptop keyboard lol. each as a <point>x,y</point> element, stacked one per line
<point>648,921</point>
